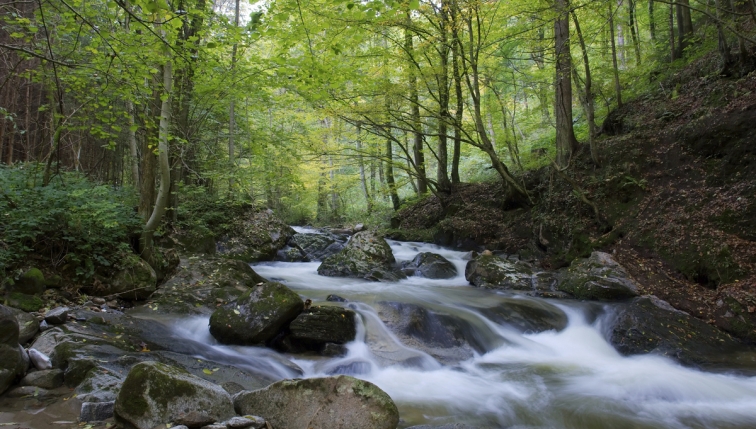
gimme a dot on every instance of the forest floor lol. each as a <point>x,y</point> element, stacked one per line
<point>677,184</point>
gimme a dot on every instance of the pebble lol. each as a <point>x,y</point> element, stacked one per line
<point>57,316</point>
<point>98,301</point>
<point>39,359</point>
<point>97,411</point>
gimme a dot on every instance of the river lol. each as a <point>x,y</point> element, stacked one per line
<point>439,348</point>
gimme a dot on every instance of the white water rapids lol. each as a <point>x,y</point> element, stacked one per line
<point>567,379</point>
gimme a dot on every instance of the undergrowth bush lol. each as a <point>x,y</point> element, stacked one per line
<point>74,222</point>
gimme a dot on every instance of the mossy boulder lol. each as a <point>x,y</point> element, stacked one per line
<point>256,316</point>
<point>367,255</point>
<point>492,272</point>
<point>154,393</point>
<point>650,325</point>
<point>527,315</point>
<point>317,326</point>
<point>136,280</point>
<point>164,261</point>
<point>256,236</point>
<point>13,365</point>
<point>28,325</point>
<point>431,266</point>
<point>598,277</point>
<point>8,326</point>
<point>24,302</point>
<point>31,282</point>
<point>199,284</point>
<point>341,402</point>
<point>316,247</point>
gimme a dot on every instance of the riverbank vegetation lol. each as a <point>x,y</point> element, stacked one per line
<point>548,129</point>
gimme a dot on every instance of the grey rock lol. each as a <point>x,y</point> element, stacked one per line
<point>198,284</point>
<point>650,325</point>
<point>491,272</point>
<point>43,326</point>
<point>12,365</point>
<point>324,324</point>
<point>256,316</point>
<point>9,332</point>
<point>367,256</point>
<point>341,402</point>
<point>135,282</point>
<point>598,277</point>
<point>527,315</point>
<point>232,387</point>
<point>257,236</point>
<point>28,326</point>
<point>214,426</point>
<point>335,298</point>
<point>246,422</point>
<point>316,247</point>
<point>29,391</point>
<point>96,411</point>
<point>40,360</point>
<point>57,316</point>
<point>46,379</point>
<point>431,266</point>
<point>155,393</point>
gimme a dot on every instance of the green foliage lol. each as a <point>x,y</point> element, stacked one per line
<point>201,211</point>
<point>76,223</point>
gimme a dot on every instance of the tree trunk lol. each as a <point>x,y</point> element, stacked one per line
<point>651,20</point>
<point>417,143</point>
<point>672,48</point>
<point>231,107</point>
<point>161,202</point>
<point>617,87</point>
<point>460,101</point>
<point>566,144</point>
<point>633,32</point>
<point>390,175</point>
<point>363,178</point>
<point>590,111</point>
<point>442,175</point>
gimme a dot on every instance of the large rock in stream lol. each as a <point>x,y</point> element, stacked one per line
<point>492,272</point>
<point>255,237</point>
<point>201,283</point>
<point>155,393</point>
<point>598,277</point>
<point>650,325</point>
<point>136,281</point>
<point>341,402</point>
<point>310,247</point>
<point>256,316</point>
<point>431,266</point>
<point>12,363</point>
<point>318,327</point>
<point>367,256</point>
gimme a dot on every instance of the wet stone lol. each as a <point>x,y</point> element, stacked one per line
<point>47,379</point>
<point>96,411</point>
<point>57,316</point>
<point>246,422</point>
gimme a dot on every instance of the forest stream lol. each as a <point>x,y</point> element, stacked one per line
<point>513,378</point>
<point>449,353</point>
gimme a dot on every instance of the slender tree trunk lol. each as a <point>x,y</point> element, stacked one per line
<point>363,178</point>
<point>617,87</point>
<point>518,192</point>
<point>633,32</point>
<point>417,144</point>
<point>566,144</point>
<point>161,202</point>
<point>390,175</point>
<point>442,174</point>
<point>724,49</point>
<point>133,153</point>
<point>458,95</point>
<point>590,112</point>
<point>671,20</point>
<point>231,108</point>
<point>651,20</point>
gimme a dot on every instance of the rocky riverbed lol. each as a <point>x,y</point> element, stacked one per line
<point>381,335</point>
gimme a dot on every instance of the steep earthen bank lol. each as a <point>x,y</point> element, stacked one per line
<point>677,187</point>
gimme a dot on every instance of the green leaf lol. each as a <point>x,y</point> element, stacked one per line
<point>414,4</point>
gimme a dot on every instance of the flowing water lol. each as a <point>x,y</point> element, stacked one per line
<point>495,374</point>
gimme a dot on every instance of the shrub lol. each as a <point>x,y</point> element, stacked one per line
<point>72,221</point>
